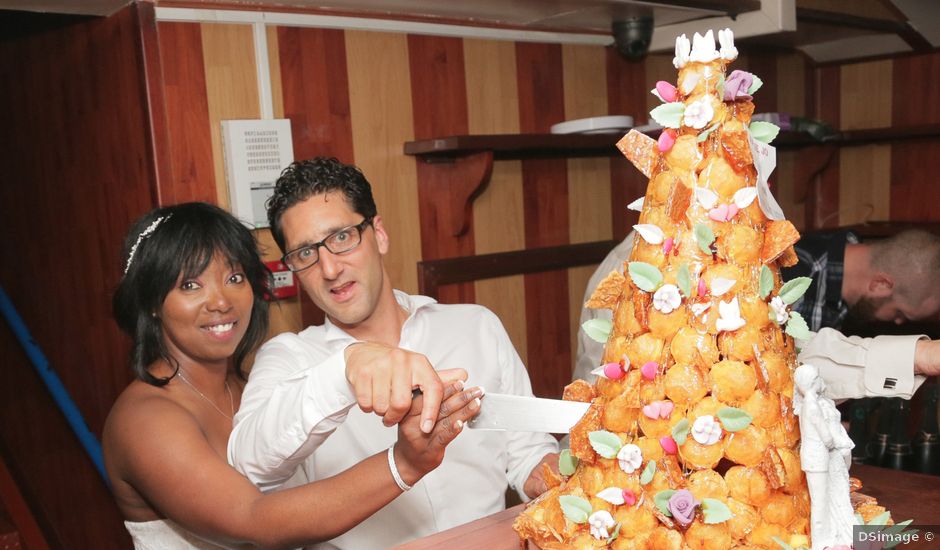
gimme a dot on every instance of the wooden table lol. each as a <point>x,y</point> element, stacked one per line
<point>907,495</point>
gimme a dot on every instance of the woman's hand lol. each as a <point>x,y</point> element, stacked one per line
<point>416,452</point>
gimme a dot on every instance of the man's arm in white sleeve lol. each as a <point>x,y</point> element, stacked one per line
<point>289,407</point>
<point>855,367</point>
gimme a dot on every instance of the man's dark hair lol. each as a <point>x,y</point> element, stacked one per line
<point>184,241</point>
<point>304,179</point>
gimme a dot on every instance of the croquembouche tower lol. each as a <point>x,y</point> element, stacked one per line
<point>691,440</point>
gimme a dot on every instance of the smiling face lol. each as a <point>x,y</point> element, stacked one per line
<point>205,317</point>
<point>349,286</point>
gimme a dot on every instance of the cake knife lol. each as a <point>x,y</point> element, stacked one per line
<point>527,414</point>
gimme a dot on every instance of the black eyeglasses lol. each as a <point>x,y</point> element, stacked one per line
<point>338,242</point>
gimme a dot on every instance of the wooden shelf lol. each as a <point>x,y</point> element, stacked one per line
<point>467,160</point>
<point>520,146</point>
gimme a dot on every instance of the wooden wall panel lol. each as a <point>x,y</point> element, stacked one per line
<point>78,172</point>
<point>231,87</point>
<point>493,108</point>
<point>187,112</point>
<point>791,76</point>
<point>822,198</point>
<point>380,103</point>
<point>626,95</point>
<point>315,97</point>
<point>584,70</point>
<point>864,187</point>
<point>916,100</point>
<point>439,107</point>
<point>545,188</point>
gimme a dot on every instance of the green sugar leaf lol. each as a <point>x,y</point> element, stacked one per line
<point>794,289</point>
<point>756,83</point>
<point>669,115</point>
<point>704,135</point>
<point>598,329</point>
<point>704,236</point>
<point>680,432</point>
<point>567,463</point>
<point>613,535</point>
<point>648,472</point>
<point>782,544</point>
<point>763,131</point>
<point>605,443</point>
<point>661,499</point>
<point>797,327</point>
<point>766,281</point>
<point>684,280</point>
<point>734,419</point>
<point>715,511</point>
<point>576,509</point>
<point>645,276</point>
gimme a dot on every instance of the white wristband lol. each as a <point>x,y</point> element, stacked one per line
<point>395,475</point>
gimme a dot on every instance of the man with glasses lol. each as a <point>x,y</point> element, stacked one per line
<point>376,345</point>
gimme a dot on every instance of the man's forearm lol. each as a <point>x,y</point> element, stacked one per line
<point>927,358</point>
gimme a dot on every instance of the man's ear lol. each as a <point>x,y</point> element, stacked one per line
<point>881,285</point>
<point>381,237</point>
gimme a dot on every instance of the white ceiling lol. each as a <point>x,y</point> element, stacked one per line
<point>778,22</point>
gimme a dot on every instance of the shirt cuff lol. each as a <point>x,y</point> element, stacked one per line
<point>889,366</point>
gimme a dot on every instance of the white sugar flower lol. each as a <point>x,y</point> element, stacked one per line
<point>630,458</point>
<point>744,197</point>
<point>699,309</point>
<point>600,522</point>
<point>703,48</point>
<point>720,285</point>
<point>726,39</point>
<point>698,114</point>
<point>636,206</point>
<point>706,197</point>
<point>689,81</point>
<point>729,316</point>
<point>667,298</point>
<point>613,495</point>
<point>706,430</point>
<point>778,310</point>
<point>683,47</point>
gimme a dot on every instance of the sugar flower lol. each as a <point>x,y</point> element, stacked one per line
<point>706,430</point>
<point>613,495</point>
<point>667,298</point>
<point>726,38</point>
<point>699,309</point>
<point>703,48</point>
<point>630,457</point>
<point>778,310</point>
<point>650,232</point>
<point>698,114</point>
<point>682,507</point>
<point>729,316</point>
<point>683,48</point>
<point>737,85</point>
<point>600,521</point>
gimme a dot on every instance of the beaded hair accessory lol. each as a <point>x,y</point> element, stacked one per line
<point>143,235</point>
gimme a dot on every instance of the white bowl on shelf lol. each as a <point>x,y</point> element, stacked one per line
<point>594,125</point>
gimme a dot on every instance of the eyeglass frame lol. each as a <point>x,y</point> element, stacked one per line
<point>359,227</point>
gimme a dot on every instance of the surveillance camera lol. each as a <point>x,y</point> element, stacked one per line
<point>632,36</point>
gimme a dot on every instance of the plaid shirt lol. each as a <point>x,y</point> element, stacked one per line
<point>822,258</point>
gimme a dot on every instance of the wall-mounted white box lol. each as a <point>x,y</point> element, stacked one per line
<point>256,151</point>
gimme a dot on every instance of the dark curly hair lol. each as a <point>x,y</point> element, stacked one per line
<point>183,242</point>
<point>306,178</point>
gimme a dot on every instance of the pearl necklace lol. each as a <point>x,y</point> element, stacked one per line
<point>209,401</point>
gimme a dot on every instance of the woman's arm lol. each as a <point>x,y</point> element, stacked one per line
<point>162,452</point>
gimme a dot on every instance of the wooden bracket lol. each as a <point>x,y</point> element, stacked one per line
<point>812,162</point>
<point>466,177</point>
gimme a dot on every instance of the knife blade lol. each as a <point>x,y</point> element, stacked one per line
<point>527,414</point>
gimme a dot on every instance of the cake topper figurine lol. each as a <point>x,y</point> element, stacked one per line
<point>825,456</point>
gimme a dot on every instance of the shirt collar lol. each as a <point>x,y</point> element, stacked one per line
<point>412,304</point>
<point>836,260</point>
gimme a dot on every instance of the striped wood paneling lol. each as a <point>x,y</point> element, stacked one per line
<point>822,204</point>
<point>493,108</point>
<point>545,202</point>
<point>584,71</point>
<point>187,112</point>
<point>380,103</point>
<point>439,100</point>
<point>231,87</point>
<point>864,186</point>
<point>626,95</point>
<point>914,189</point>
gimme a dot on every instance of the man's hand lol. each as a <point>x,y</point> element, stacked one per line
<point>535,485</point>
<point>383,378</point>
<point>927,358</point>
<point>417,453</point>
